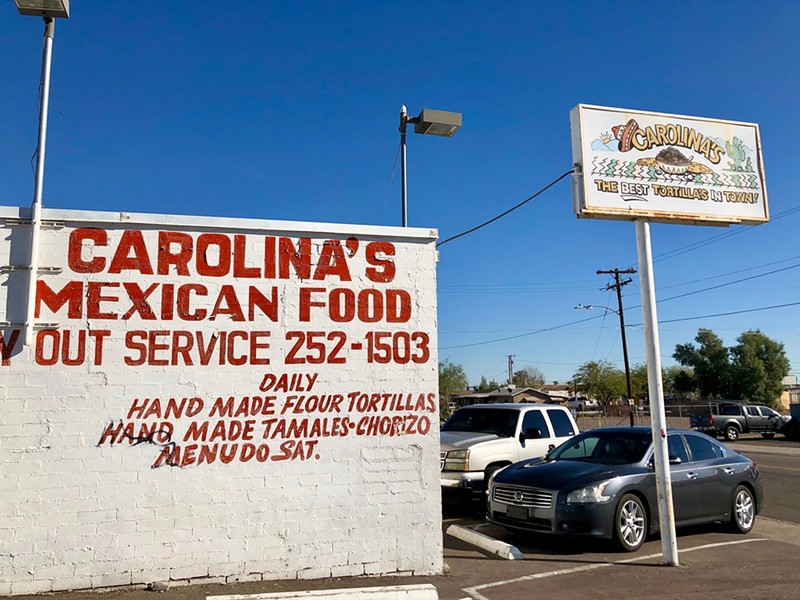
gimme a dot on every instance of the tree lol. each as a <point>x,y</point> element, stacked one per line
<point>529,377</point>
<point>600,380</point>
<point>487,386</point>
<point>710,363</point>
<point>759,366</point>
<point>452,379</point>
<point>751,370</point>
<point>639,387</point>
<point>678,382</point>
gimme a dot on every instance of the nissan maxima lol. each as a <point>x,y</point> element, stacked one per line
<point>601,483</point>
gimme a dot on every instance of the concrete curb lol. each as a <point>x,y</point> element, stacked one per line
<point>496,547</point>
<point>777,450</point>
<point>395,592</point>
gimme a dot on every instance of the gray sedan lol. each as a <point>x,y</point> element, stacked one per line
<point>601,483</point>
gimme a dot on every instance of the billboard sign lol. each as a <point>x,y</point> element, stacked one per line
<point>669,168</point>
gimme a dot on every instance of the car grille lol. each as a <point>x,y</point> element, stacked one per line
<point>520,496</point>
<point>442,456</point>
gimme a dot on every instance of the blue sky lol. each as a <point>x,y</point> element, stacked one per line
<point>290,111</point>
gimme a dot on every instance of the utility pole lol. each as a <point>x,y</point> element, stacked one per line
<point>617,285</point>
<point>510,369</point>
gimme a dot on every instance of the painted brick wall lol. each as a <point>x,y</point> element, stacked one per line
<point>301,438</point>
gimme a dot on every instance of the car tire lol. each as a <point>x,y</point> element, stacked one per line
<point>768,436</point>
<point>731,433</point>
<point>630,523</point>
<point>743,510</point>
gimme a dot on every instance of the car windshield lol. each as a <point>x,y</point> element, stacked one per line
<point>605,447</point>
<point>498,421</point>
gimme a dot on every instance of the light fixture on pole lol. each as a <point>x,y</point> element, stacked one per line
<point>621,316</point>
<point>49,10</point>
<point>429,122</point>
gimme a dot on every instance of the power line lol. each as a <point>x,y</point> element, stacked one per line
<point>546,329</point>
<point>725,314</point>
<point>503,214</point>
<point>696,245</point>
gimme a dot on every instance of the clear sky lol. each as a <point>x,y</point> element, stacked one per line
<point>289,110</point>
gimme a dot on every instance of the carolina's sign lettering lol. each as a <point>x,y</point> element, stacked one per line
<point>285,312</point>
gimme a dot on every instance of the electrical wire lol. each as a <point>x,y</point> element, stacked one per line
<point>521,335</point>
<point>503,214</point>
<point>391,177</point>
<point>725,314</point>
<point>660,321</point>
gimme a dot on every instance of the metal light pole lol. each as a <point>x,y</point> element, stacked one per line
<point>429,122</point>
<point>49,10</point>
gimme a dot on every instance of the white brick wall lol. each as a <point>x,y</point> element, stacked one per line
<point>75,514</point>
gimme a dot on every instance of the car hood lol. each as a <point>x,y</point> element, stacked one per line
<point>457,440</point>
<point>556,474</point>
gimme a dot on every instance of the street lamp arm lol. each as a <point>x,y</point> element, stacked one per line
<point>591,306</point>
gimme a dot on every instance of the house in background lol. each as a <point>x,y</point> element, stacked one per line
<point>791,393</point>
<point>504,394</point>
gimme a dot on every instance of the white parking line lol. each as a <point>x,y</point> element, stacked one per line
<point>474,593</point>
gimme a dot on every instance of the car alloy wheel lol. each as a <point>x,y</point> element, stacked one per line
<point>630,523</point>
<point>743,511</point>
<point>731,434</point>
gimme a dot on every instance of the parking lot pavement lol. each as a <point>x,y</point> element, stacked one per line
<point>714,565</point>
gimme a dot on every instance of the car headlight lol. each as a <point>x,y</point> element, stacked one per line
<point>456,460</point>
<point>591,494</point>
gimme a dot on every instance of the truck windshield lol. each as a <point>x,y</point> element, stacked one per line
<point>498,421</point>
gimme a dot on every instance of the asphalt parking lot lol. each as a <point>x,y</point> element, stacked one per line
<point>714,564</point>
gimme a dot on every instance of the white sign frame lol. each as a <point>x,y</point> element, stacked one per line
<point>669,168</point>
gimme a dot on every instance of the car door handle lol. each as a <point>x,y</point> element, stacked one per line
<point>691,475</point>
<point>729,470</point>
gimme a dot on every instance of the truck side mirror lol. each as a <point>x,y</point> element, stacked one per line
<point>533,433</point>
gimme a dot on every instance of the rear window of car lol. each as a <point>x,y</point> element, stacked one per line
<point>562,424</point>
<point>703,448</point>
<point>730,410</point>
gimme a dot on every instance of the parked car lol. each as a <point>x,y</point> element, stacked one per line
<point>733,419</point>
<point>582,403</point>
<point>602,483</point>
<point>480,439</point>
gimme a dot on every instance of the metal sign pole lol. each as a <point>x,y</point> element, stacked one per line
<point>36,206</point>
<point>669,542</point>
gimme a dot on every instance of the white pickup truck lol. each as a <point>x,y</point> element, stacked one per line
<point>478,440</point>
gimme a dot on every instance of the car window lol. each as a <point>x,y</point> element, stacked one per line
<point>752,411</point>
<point>703,448</point>
<point>730,410</point>
<point>562,424</point>
<point>580,449</point>
<point>768,412</point>
<point>609,447</point>
<point>535,419</point>
<point>676,448</point>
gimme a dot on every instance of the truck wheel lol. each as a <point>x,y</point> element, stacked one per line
<point>768,436</point>
<point>731,433</point>
<point>743,510</point>
<point>630,523</point>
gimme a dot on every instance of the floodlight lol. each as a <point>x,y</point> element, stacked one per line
<point>44,8</point>
<point>437,122</point>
